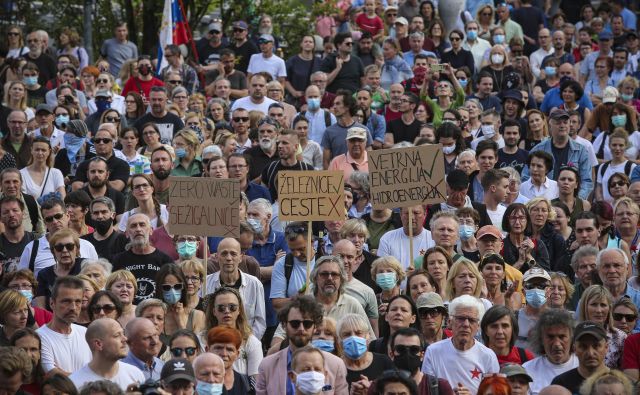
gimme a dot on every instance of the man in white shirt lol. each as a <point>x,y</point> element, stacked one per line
<point>396,242</point>
<point>552,334</point>
<point>63,346</point>
<point>461,359</point>
<point>250,288</point>
<point>257,99</point>
<point>266,61</point>
<point>546,49</point>
<point>55,218</point>
<point>496,188</point>
<point>316,115</point>
<point>477,46</point>
<point>108,344</point>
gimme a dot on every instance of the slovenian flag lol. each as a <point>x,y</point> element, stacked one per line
<point>174,29</point>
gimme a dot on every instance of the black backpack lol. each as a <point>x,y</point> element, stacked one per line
<point>602,168</point>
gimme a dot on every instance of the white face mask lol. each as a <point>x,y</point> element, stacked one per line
<point>497,58</point>
<point>310,383</point>
<point>449,150</point>
<point>488,131</point>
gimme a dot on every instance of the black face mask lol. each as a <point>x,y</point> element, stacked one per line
<point>144,69</point>
<point>407,361</point>
<point>102,227</point>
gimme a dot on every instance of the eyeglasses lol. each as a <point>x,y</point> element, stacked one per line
<point>486,14</point>
<point>238,30</point>
<point>13,34</point>
<point>326,275</point>
<point>295,324</point>
<point>101,141</point>
<point>140,187</point>
<point>536,286</point>
<point>102,81</point>
<point>107,308</point>
<point>169,287</point>
<point>402,349</point>
<point>111,119</point>
<point>617,184</point>
<point>192,279</point>
<point>390,14</point>
<point>626,317</point>
<point>223,308</point>
<point>240,119</point>
<point>130,101</point>
<point>424,312</point>
<point>237,167</point>
<point>350,43</point>
<point>214,32</point>
<point>177,352</point>
<point>55,217</point>
<point>626,214</point>
<point>180,97</point>
<point>174,82</point>
<point>517,218</point>
<point>461,319</point>
<point>61,247</point>
<point>455,38</point>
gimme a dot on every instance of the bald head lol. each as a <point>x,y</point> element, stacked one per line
<point>136,325</point>
<point>229,243</point>
<point>99,329</point>
<point>344,246</point>
<point>312,91</point>
<point>209,368</point>
<point>554,390</point>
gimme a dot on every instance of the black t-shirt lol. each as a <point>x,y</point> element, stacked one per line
<point>208,54</point>
<point>259,161</point>
<point>517,160</point>
<point>47,277</point>
<point>11,252</point>
<point>349,75</point>
<point>144,268</point>
<point>46,67</point>
<point>168,125</point>
<point>118,170</point>
<point>108,247</point>
<point>113,194</point>
<point>243,54</point>
<point>379,364</point>
<point>561,157</point>
<point>571,380</point>
<point>403,132</point>
<point>238,79</point>
<point>241,386</point>
<point>299,71</point>
<point>36,96</point>
<point>270,175</point>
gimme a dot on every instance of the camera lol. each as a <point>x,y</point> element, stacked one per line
<point>149,387</point>
<point>68,99</point>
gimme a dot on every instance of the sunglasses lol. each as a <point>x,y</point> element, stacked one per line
<point>238,30</point>
<point>295,324</point>
<point>13,34</point>
<point>402,349</point>
<point>175,82</point>
<point>424,313</point>
<point>107,308</point>
<point>55,217</point>
<point>101,141</point>
<point>169,287</point>
<point>536,286</point>
<point>455,38</point>
<point>61,247</point>
<point>240,119</point>
<point>223,308</point>
<point>177,352</point>
<point>626,317</point>
<point>617,184</point>
<point>112,119</point>
<point>102,81</point>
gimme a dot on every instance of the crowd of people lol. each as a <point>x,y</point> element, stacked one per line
<point>525,280</point>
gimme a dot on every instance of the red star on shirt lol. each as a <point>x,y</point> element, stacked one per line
<point>422,252</point>
<point>475,373</point>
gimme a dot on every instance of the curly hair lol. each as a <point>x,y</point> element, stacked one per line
<point>550,318</point>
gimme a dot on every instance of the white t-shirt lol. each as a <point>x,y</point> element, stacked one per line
<point>631,152</point>
<point>496,216</point>
<point>164,214</point>
<point>611,170</point>
<point>67,352</point>
<point>127,374</point>
<point>54,181</point>
<point>250,356</point>
<point>56,139</point>
<point>44,256</point>
<point>247,104</point>
<point>543,372</point>
<point>474,142</point>
<point>395,243</point>
<point>273,65</point>
<point>444,361</point>
<point>548,189</point>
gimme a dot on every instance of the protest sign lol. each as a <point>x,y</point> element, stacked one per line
<point>204,206</point>
<point>405,177</point>
<point>311,195</point>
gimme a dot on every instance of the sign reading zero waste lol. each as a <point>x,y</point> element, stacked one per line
<point>311,195</point>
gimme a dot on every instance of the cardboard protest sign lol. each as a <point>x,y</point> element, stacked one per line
<point>204,206</point>
<point>311,195</point>
<point>405,177</point>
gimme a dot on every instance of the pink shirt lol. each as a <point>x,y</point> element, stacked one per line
<point>346,163</point>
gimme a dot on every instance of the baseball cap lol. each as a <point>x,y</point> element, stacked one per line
<point>104,93</point>
<point>558,113</point>
<point>535,272</point>
<point>240,25</point>
<point>513,369</point>
<point>266,38</point>
<point>357,133</point>
<point>402,20</point>
<point>605,36</point>
<point>390,8</point>
<point>43,107</point>
<point>177,369</point>
<point>632,34</point>
<point>513,94</point>
<point>429,300</point>
<point>489,230</point>
<point>610,95</point>
<point>217,26</point>
<point>589,328</point>
<point>457,179</point>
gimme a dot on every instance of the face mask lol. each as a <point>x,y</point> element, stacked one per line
<point>619,120</point>
<point>30,81</point>
<point>449,150</point>
<point>203,388</point>
<point>626,97</point>
<point>144,70</point>
<point>497,58</point>
<point>310,383</point>
<point>472,34</point>
<point>488,131</point>
<point>187,249</point>
<point>463,83</point>
<point>62,121</point>
<point>73,144</point>
<point>550,71</point>
<point>466,232</point>
<point>102,227</point>
<point>313,104</point>
<point>535,297</point>
<point>172,297</point>
<point>180,153</point>
<point>386,281</point>
<point>498,39</point>
<point>324,345</point>
<point>27,294</point>
<point>407,361</point>
<point>103,105</point>
<point>255,224</point>
<point>354,346</point>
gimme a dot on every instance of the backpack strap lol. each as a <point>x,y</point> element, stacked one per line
<point>627,167</point>
<point>32,207</point>
<point>603,168</point>
<point>523,355</point>
<point>433,385</point>
<point>327,118</point>
<point>34,253</point>
<point>288,269</point>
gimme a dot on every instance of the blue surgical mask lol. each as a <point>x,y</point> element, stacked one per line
<point>472,34</point>
<point>549,71</point>
<point>463,83</point>
<point>27,294</point>
<point>536,298</point>
<point>449,150</point>
<point>73,144</point>
<point>203,388</point>
<point>324,345</point>
<point>172,297</point>
<point>256,224</point>
<point>187,249</point>
<point>30,81</point>
<point>386,281</point>
<point>103,105</point>
<point>62,121</point>
<point>466,232</point>
<point>313,104</point>
<point>180,153</point>
<point>354,347</point>
<point>498,39</point>
<point>626,97</point>
<point>619,120</point>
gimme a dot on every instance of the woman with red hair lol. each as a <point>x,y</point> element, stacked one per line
<point>225,342</point>
<point>494,384</point>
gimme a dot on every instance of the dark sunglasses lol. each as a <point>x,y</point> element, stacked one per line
<point>102,81</point>
<point>240,119</point>
<point>402,349</point>
<point>238,30</point>
<point>177,352</point>
<point>13,34</point>
<point>62,247</point>
<point>55,217</point>
<point>101,141</point>
<point>107,308</point>
<point>112,119</point>
<point>174,82</point>
<point>295,324</point>
<point>169,287</point>
<point>626,317</point>
<point>231,307</point>
<point>617,184</point>
<point>424,312</point>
